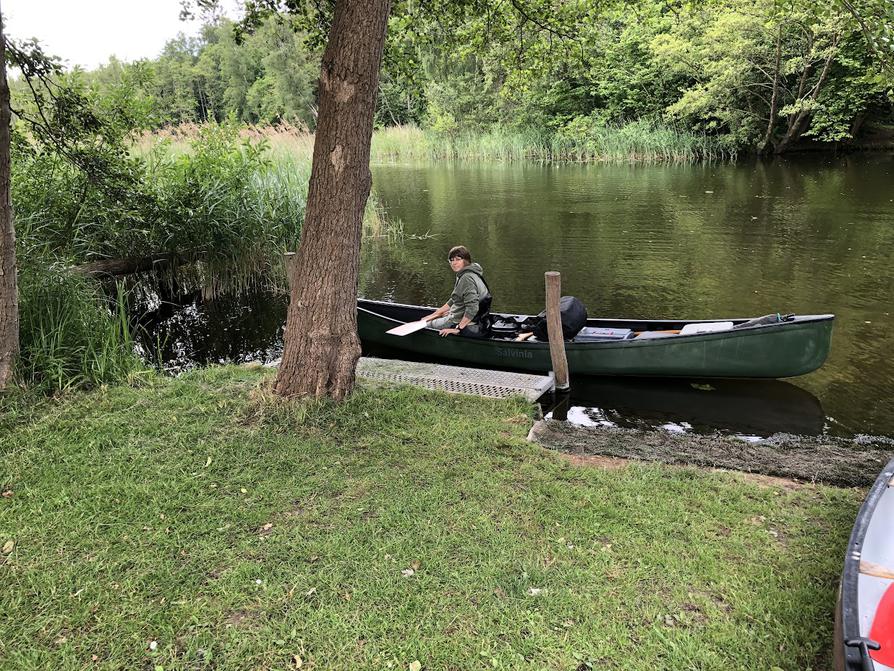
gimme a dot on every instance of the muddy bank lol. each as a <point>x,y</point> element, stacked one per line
<point>823,459</point>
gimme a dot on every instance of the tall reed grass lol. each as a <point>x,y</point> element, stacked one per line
<point>71,334</point>
<point>226,205</point>
<point>297,140</point>
<point>635,142</point>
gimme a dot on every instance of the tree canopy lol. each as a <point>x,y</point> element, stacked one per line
<point>761,74</point>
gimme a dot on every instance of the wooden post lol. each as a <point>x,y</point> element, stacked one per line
<point>561,405</point>
<point>554,328</point>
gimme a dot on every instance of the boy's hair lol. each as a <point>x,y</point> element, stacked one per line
<point>459,252</point>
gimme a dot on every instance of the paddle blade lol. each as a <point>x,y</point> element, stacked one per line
<point>408,328</point>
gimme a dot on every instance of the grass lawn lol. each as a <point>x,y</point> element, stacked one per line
<point>196,523</point>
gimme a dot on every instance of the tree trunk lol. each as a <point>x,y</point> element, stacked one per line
<point>799,123</point>
<point>321,343</point>
<point>9,307</point>
<point>774,102</point>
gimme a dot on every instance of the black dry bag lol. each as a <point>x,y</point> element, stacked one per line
<point>573,315</point>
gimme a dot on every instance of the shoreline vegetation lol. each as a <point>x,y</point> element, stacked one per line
<point>640,142</point>
<point>217,207</point>
<point>401,529</point>
<point>638,81</point>
<point>637,142</point>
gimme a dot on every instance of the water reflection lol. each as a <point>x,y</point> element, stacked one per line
<point>746,407</point>
<point>185,330</point>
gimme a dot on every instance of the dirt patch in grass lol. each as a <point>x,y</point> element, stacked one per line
<point>240,618</point>
<point>616,463</point>
<point>827,460</point>
<point>596,461</point>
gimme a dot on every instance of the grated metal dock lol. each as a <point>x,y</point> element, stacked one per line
<point>456,379</point>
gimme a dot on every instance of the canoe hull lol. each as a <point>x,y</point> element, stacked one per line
<point>866,595</point>
<point>779,350</point>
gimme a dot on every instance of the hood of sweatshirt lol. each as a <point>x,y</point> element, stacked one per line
<point>471,268</point>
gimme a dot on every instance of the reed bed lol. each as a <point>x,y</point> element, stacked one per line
<point>277,190</point>
<point>71,334</point>
<point>297,140</point>
<point>636,142</point>
<point>581,141</point>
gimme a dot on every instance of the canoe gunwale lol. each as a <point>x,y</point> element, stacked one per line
<point>849,607</point>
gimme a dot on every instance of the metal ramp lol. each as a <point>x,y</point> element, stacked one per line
<point>456,379</point>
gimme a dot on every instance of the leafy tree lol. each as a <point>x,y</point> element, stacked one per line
<point>761,75</point>
<point>176,84</point>
<point>290,73</point>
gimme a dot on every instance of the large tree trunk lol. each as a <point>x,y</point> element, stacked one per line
<point>321,343</point>
<point>9,307</point>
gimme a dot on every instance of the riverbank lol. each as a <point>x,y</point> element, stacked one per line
<point>823,459</point>
<point>198,522</point>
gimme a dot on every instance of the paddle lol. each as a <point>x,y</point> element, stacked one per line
<point>408,328</point>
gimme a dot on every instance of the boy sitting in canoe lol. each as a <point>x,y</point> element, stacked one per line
<point>470,299</point>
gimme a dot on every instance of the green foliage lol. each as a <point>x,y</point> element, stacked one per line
<point>582,139</point>
<point>588,138</point>
<point>760,75</point>
<point>269,77</point>
<point>225,202</point>
<point>70,335</point>
<point>460,96</point>
<point>81,194</point>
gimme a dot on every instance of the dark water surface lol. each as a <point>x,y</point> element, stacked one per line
<point>695,242</point>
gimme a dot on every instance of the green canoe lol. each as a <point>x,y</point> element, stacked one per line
<point>782,349</point>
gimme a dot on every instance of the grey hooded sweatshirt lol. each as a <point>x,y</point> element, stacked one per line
<point>468,289</point>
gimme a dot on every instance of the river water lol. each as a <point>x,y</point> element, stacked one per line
<point>808,235</point>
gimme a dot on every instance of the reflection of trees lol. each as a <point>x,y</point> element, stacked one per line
<point>184,329</point>
<point>649,241</point>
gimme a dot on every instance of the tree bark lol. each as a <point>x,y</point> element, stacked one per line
<point>9,308</point>
<point>321,343</point>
